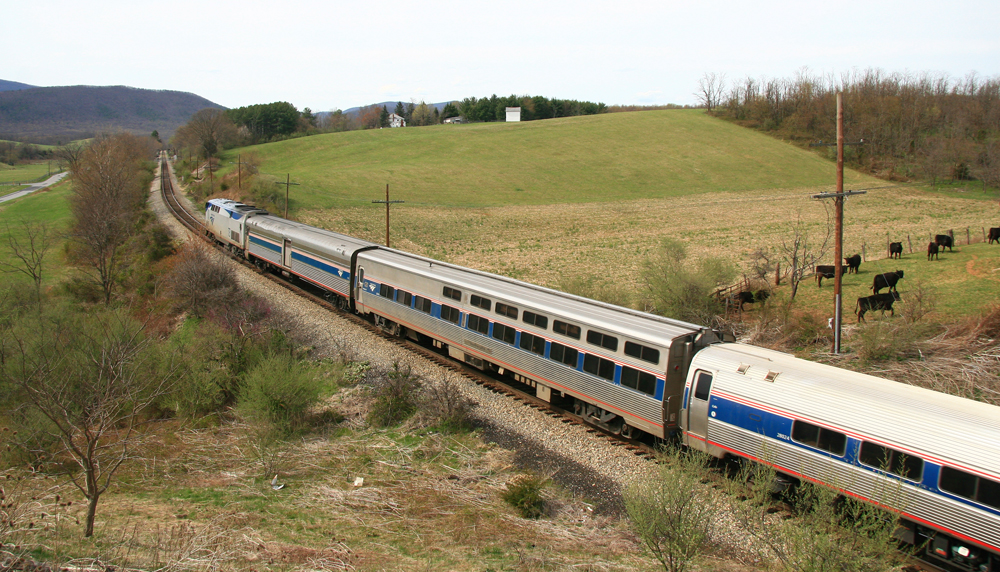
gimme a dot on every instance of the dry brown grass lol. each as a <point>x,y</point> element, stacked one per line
<point>553,244</point>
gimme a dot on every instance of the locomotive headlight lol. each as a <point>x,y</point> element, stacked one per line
<point>963,551</point>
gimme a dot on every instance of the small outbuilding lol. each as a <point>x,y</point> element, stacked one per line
<point>513,114</point>
<point>396,121</point>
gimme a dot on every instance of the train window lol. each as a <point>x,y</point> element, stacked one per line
<point>504,333</point>
<point>639,380</point>
<point>599,366</point>
<point>532,343</point>
<point>537,320</point>
<point>892,461</point>
<point>704,386</point>
<point>988,493</point>
<point>506,310</point>
<point>568,330</point>
<point>603,340</point>
<point>819,437</point>
<point>450,314</point>
<point>642,352</point>
<point>422,304</point>
<point>452,293</point>
<point>404,297</point>
<point>563,354</point>
<point>479,324</point>
<point>480,302</point>
<point>958,482</point>
<point>387,291</point>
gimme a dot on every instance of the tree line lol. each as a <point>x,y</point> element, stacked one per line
<point>907,126</point>
<point>494,108</point>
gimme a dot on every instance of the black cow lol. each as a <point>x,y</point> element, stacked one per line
<point>944,241</point>
<point>853,263</point>
<point>994,235</point>
<point>895,249</point>
<point>828,272</point>
<point>887,280</point>
<point>877,302</point>
<point>746,297</point>
<point>932,250</point>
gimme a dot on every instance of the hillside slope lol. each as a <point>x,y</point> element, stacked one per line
<point>59,114</point>
<point>598,158</point>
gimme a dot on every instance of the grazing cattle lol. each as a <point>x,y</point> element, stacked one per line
<point>932,250</point>
<point>746,297</point>
<point>994,235</point>
<point>877,302</point>
<point>944,241</point>
<point>887,280</point>
<point>895,249</point>
<point>827,272</point>
<point>853,263</point>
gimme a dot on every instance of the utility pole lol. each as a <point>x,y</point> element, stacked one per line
<point>387,203</point>
<point>288,182</point>
<point>838,249</point>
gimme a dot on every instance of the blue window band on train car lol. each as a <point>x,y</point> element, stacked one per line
<point>320,265</point>
<point>254,239</point>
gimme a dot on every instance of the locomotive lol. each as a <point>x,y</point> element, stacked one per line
<point>635,373</point>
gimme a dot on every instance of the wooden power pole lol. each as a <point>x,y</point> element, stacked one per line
<point>387,203</point>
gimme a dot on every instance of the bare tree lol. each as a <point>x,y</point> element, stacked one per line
<point>90,378</point>
<point>106,202</point>
<point>200,281</point>
<point>29,251</point>
<point>710,89</point>
<point>213,129</point>
<point>799,254</point>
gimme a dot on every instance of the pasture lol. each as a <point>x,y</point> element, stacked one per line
<point>27,173</point>
<point>584,201</point>
<point>50,206</point>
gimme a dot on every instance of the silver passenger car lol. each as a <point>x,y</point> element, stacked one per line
<point>931,456</point>
<point>625,368</point>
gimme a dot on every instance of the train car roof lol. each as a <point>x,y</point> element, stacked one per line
<point>936,425</point>
<point>305,235</point>
<point>568,307</point>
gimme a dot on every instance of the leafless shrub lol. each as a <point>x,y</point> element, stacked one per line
<point>200,281</point>
<point>446,405</point>
<point>920,301</point>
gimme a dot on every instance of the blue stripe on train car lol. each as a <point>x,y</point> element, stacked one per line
<point>321,265</point>
<point>265,243</point>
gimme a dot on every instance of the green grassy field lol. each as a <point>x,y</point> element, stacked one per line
<point>26,173</point>
<point>50,206</point>
<point>601,158</point>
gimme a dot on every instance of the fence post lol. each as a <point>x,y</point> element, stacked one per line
<point>968,237</point>
<point>777,274</point>
<point>864,255</point>
<point>887,243</point>
<point>908,241</point>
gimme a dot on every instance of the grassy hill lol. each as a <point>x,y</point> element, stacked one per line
<point>58,115</point>
<point>581,203</point>
<point>610,157</point>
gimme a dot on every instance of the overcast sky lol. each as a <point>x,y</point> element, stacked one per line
<point>335,54</point>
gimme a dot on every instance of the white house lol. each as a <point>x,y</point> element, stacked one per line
<point>513,114</point>
<point>396,121</point>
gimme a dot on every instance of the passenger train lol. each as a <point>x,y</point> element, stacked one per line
<point>632,373</point>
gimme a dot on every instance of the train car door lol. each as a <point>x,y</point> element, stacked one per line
<point>698,410</point>
<point>359,286</point>
<point>286,250</point>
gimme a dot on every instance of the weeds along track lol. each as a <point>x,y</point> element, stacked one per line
<point>313,295</point>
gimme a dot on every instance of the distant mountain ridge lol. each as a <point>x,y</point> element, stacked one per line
<point>13,85</point>
<point>56,115</point>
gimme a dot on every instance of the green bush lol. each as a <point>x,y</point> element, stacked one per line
<point>525,495</point>
<point>683,290</point>
<point>673,511</point>
<point>280,390</point>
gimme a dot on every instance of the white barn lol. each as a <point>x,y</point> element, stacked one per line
<point>513,114</point>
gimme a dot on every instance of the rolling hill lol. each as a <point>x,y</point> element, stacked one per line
<point>56,115</point>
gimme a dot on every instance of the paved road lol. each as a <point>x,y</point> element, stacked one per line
<point>34,187</point>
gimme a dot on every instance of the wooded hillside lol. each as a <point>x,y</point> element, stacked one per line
<point>56,115</point>
<point>912,126</point>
